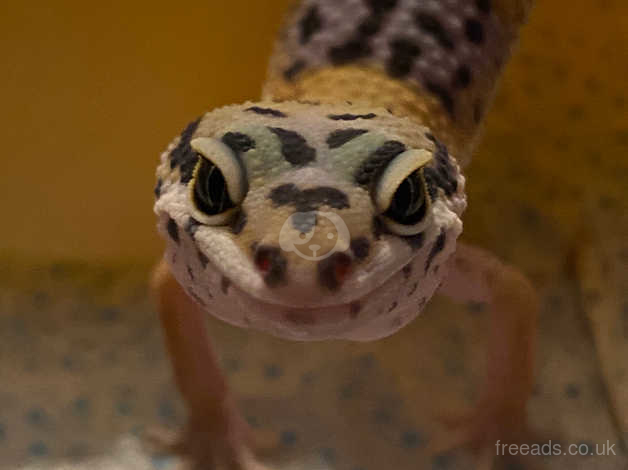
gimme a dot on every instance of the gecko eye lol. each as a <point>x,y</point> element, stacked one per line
<point>401,194</point>
<point>218,184</point>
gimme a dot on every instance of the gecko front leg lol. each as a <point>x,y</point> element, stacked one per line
<point>216,433</point>
<point>500,415</point>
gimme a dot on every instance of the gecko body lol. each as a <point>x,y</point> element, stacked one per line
<point>332,207</point>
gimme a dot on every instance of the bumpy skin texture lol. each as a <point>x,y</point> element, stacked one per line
<point>392,76</point>
<point>390,278</point>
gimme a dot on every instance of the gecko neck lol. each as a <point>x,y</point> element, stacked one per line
<point>373,87</point>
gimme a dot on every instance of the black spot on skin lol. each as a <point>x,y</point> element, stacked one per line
<point>483,5</point>
<point>342,136</point>
<point>440,173</point>
<point>374,165</point>
<point>432,26</point>
<point>443,95</point>
<point>294,147</point>
<point>413,289</point>
<point>190,273</point>
<point>204,260</point>
<point>310,24</point>
<point>225,282</point>
<point>415,241</point>
<point>370,26</point>
<point>328,270</point>
<point>379,7</point>
<point>439,244</point>
<point>157,189</point>
<point>239,222</point>
<point>309,199</point>
<point>474,31</point>
<point>238,142</point>
<point>272,264</point>
<point>407,271</point>
<point>294,70</point>
<point>173,229</point>
<point>351,117</point>
<point>266,111</point>
<point>462,77</point>
<point>404,52</point>
<point>360,247</point>
<point>183,155</point>
<point>354,49</point>
<point>192,226</point>
<point>392,307</point>
<point>354,309</point>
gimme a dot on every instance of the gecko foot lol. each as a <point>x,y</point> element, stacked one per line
<point>224,442</point>
<point>487,433</point>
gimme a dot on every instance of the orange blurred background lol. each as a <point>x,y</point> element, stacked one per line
<point>91,94</point>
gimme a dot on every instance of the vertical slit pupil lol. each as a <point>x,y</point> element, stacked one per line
<point>210,190</point>
<point>408,203</point>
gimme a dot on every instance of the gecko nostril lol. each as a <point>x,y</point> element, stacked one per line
<point>332,271</point>
<point>271,263</point>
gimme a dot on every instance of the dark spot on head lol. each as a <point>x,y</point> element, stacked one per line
<point>360,247</point>
<point>354,49</point>
<point>462,78</point>
<point>284,194</point>
<point>407,271</point>
<point>182,155</point>
<point>310,24</point>
<point>293,70</point>
<point>204,260</point>
<point>433,27</point>
<point>415,241</point>
<point>442,94</point>
<point>342,136</point>
<point>309,199</point>
<point>173,229</point>
<point>483,5</point>
<point>392,306</point>
<point>266,111</point>
<point>192,226</point>
<point>239,222</point>
<point>404,52</point>
<point>439,244</point>
<point>350,117</point>
<point>294,147</point>
<point>333,270</point>
<point>271,264</point>
<point>157,189</point>
<point>225,282</point>
<point>354,309</point>
<point>474,31</point>
<point>238,142</point>
<point>374,165</point>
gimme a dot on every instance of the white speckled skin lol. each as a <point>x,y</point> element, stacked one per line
<point>382,293</point>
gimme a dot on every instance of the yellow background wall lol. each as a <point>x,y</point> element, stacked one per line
<point>91,93</point>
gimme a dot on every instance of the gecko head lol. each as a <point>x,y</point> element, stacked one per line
<point>309,221</point>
